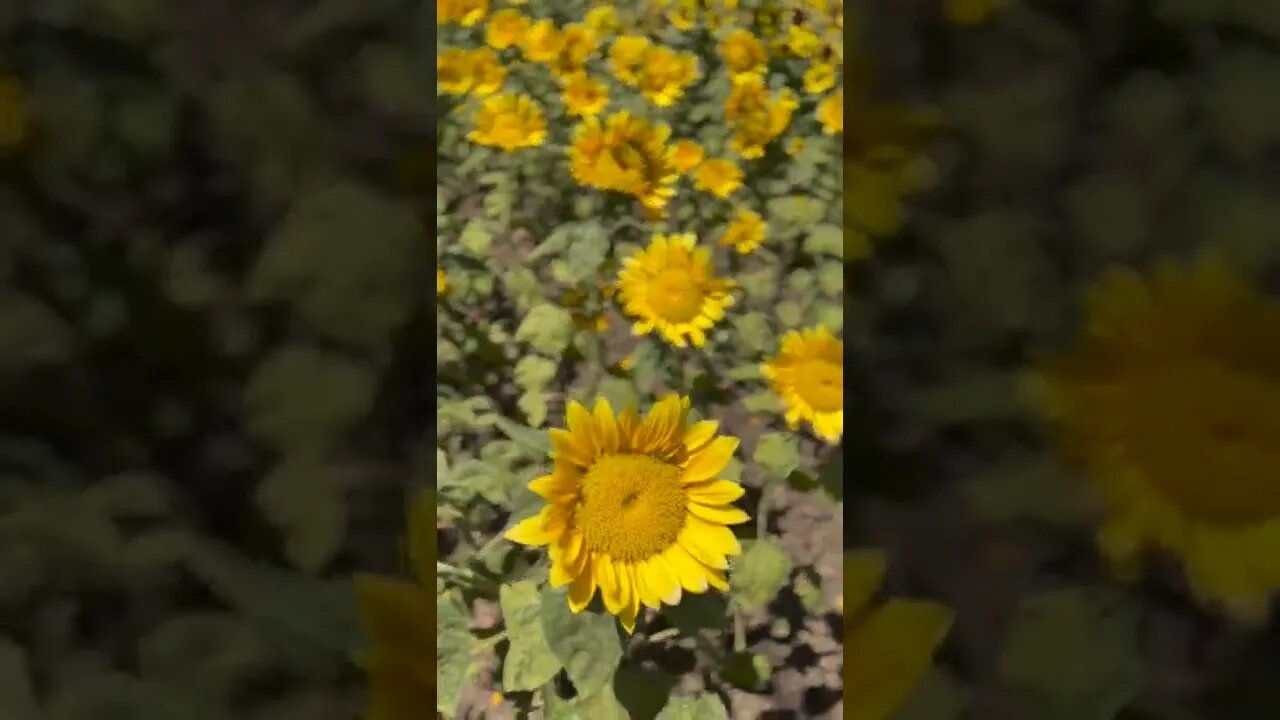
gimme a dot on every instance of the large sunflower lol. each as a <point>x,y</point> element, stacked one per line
<point>808,374</point>
<point>1170,397</point>
<point>889,646</point>
<point>625,154</point>
<point>670,287</point>
<point>635,507</point>
<point>399,618</point>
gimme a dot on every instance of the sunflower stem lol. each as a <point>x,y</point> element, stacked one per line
<point>489,642</point>
<point>739,631</point>
<point>664,634</point>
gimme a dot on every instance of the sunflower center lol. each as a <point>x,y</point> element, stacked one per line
<point>1220,464</point>
<point>675,295</point>
<point>632,506</point>
<point>508,127</point>
<point>821,385</point>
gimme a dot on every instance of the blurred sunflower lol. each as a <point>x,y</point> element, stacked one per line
<point>819,78</point>
<point>718,177</point>
<point>13,113</point>
<point>830,113</point>
<point>541,42</point>
<point>463,12</point>
<point>755,117</point>
<point>454,74</point>
<point>683,14</point>
<point>625,56</point>
<point>665,74</point>
<point>578,44</point>
<point>442,282</point>
<point>505,28</point>
<point>603,19</point>
<point>583,95</point>
<point>687,155</point>
<point>625,154</point>
<point>743,54</point>
<point>746,232</point>
<point>1170,398</point>
<point>889,647</point>
<point>635,507</point>
<point>487,72</point>
<point>509,121</point>
<point>808,374</point>
<point>399,621</point>
<point>670,287</point>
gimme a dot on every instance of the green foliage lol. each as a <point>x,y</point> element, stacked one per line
<point>529,662</point>
<point>777,454</point>
<point>586,644</point>
<point>547,328</point>
<point>705,707</point>
<point>284,408</point>
<point>304,495</point>
<point>453,652</point>
<point>762,570</point>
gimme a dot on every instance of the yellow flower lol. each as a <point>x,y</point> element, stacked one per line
<point>808,374</point>
<point>487,71</point>
<point>889,646</point>
<point>756,118</point>
<point>13,115</point>
<point>684,16</point>
<point>1170,399</point>
<point>830,113</point>
<point>971,12</point>
<point>603,20</point>
<point>635,508</point>
<point>442,282</point>
<point>399,620</point>
<point>625,56</point>
<point>463,12</point>
<point>625,154</point>
<point>802,41</point>
<point>743,54</point>
<point>718,177</point>
<point>541,42</point>
<point>671,288</point>
<point>454,74</point>
<point>819,78</point>
<point>577,45</point>
<point>583,95</point>
<point>665,74</point>
<point>746,232</point>
<point>509,121</point>
<point>505,29</point>
<point>687,155</point>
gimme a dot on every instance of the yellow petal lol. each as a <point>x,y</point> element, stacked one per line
<point>581,426</point>
<point>531,531</point>
<point>610,585</point>
<point>583,586</point>
<point>606,427</point>
<point>565,449</point>
<point>687,569</point>
<point>716,579</point>
<point>552,486</point>
<point>632,609</point>
<point>567,556</point>
<point>720,514</point>
<point>889,653</point>
<point>863,572</point>
<point>715,492</point>
<point>714,540</point>
<point>699,435</point>
<point>661,581</point>
<point>397,616</point>
<point>660,424</point>
<point>710,460</point>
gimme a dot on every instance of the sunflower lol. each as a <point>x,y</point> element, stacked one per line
<point>583,95</point>
<point>830,113</point>
<point>625,154</point>
<point>625,56</point>
<point>746,232</point>
<point>1170,399</point>
<point>463,12</point>
<point>684,15</point>
<point>635,507</point>
<point>442,282</point>
<point>454,74</point>
<point>487,72</point>
<point>541,43</point>
<point>743,54</point>
<point>688,154</point>
<point>808,374</point>
<point>670,287</point>
<point>755,117</point>
<point>399,618</point>
<point>505,29</point>
<point>819,78</point>
<point>577,45</point>
<point>665,74</point>
<point>718,177</point>
<point>889,646</point>
<point>603,19</point>
<point>510,122</point>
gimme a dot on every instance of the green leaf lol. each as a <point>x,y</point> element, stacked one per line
<point>533,373</point>
<point>1074,653</point>
<point>529,661</point>
<point>603,705</point>
<point>17,699</point>
<point>585,643</point>
<point>284,408</point>
<point>547,328</point>
<point>453,653</point>
<point>110,695</point>
<point>209,656</point>
<point>620,392</point>
<point>706,707</point>
<point>536,444</point>
<point>533,403</point>
<point>129,495</point>
<point>746,670</point>
<point>1031,487</point>
<point>831,476</point>
<point>754,332</point>
<point>697,612</point>
<point>831,280</point>
<point>642,691</point>
<point>764,401</point>
<point>758,575</point>
<point>790,314</point>
<point>304,496</point>
<point>777,454</point>
<point>981,395</point>
<point>354,291</point>
<point>825,239</point>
